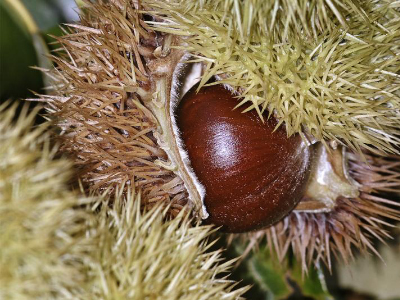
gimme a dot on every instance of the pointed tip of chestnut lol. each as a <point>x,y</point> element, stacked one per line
<point>253,176</point>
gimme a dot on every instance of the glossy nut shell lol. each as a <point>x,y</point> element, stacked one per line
<point>253,176</point>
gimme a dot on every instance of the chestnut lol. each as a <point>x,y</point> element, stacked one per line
<point>253,175</point>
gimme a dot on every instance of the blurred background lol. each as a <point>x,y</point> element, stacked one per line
<point>26,27</point>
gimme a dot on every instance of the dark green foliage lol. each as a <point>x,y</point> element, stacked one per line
<point>17,55</point>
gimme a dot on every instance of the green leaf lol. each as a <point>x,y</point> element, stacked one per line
<point>311,284</point>
<point>46,13</point>
<point>17,54</point>
<point>274,280</point>
<point>21,48</point>
<point>269,275</point>
<point>263,271</point>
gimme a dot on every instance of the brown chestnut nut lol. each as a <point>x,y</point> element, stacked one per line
<point>253,176</point>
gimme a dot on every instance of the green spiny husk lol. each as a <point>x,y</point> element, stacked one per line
<point>58,244</point>
<point>258,18</point>
<point>342,84</point>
